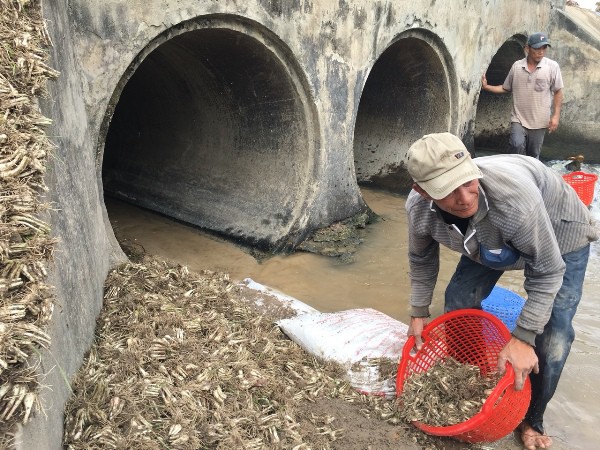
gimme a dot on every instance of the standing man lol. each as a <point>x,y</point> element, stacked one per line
<point>502,212</point>
<point>536,84</point>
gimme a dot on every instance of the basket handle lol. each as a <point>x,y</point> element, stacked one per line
<point>504,383</point>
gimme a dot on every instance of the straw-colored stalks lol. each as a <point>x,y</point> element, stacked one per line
<point>192,365</point>
<point>15,397</point>
<point>25,248</point>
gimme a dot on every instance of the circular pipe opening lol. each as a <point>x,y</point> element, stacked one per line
<point>212,128</point>
<point>406,95</point>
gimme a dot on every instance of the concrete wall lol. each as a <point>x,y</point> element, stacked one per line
<point>492,120</point>
<point>286,102</point>
<point>576,33</point>
<point>254,118</point>
<point>85,247</point>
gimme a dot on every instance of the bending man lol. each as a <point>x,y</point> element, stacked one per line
<point>503,212</point>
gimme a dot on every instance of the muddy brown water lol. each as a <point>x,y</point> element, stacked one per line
<point>378,278</point>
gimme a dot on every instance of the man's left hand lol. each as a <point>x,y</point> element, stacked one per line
<point>553,124</point>
<point>523,359</point>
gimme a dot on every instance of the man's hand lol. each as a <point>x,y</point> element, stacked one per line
<point>553,124</point>
<point>493,89</point>
<point>556,105</point>
<point>416,329</point>
<point>523,359</point>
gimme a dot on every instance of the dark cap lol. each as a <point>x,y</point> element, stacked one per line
<point>537,40</point>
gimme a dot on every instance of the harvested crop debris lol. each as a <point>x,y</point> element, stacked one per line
<point>183,360</point>
<point>448,393</point>
<point>26,247</point>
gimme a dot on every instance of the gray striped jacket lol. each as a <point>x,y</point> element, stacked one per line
<point>522,203</point>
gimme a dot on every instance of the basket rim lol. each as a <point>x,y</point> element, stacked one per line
<point>586,176</point>
<point>466,312</point>
<point>504,293</point>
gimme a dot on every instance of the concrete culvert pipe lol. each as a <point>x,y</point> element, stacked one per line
<point>407,95</point>
<point>212,129</point>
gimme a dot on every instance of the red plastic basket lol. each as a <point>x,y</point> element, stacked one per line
<point>583,183</point>
<point>476,337</point>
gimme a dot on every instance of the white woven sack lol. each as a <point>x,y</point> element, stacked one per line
<point>352,338</point>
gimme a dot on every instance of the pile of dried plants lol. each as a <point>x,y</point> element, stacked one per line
<point>185,361</point>
<point>448,393</point>
<point>25,245</point>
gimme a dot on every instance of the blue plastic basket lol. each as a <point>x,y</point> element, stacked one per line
<point>504,304</point>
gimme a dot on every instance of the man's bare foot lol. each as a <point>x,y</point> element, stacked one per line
<point>532,439</point>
